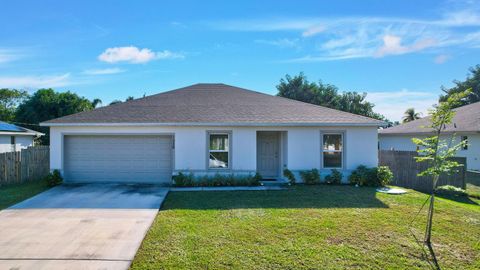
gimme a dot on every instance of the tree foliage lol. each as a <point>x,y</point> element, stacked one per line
<point>410,115</point>
<point>472,83</point>
<point>9,100</point>
<point>299,88</point>
<point>46,104</point>
<point>435,150</point>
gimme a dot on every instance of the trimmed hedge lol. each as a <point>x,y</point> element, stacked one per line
<point>334,178</point>
<point>290,176</point>
<point>310,177</point>
<point>217,180</point>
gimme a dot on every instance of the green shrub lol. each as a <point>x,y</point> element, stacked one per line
<point>290,176</point>
<point>334,178</point>
<point>311,177</point>
<point>217,180</point>
<point>54,178</point>
<point>374,177</point>
<point>451,191</point>
<point>384,175</point>
<point>183,180</point>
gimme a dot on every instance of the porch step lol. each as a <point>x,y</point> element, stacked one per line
<point>278,182</point>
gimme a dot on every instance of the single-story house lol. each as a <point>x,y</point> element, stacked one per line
<point>208,129</point>
<point>15,138</point>
<point>465,126</point>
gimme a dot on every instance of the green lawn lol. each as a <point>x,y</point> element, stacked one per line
<point>12,194</point>
<point>307,227</point>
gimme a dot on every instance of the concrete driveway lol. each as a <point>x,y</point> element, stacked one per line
<point>95,226</point>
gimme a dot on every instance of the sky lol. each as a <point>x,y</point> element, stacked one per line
<point>398,52</point>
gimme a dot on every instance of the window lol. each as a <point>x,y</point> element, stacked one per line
<point>465,139</point>
<point>218,150</point>
<point>13,143</point>
<point>332,150</point>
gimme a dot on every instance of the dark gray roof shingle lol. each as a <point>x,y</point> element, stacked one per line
<point>466,119</point>
<point>215,103</point>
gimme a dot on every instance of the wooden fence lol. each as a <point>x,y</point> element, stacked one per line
<point>405,170</point>
<point>30,164</point>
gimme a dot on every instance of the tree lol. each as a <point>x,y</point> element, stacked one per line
<point>410,115</point>
<point>46,104</point>
<point>299,88</point>
<point>438,153</point>
<point>115,101</point>
<point>96,102</point>
<point>129,98</point>
<point>472,83</point>
<point>9,100</point>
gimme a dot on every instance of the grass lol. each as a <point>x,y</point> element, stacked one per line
<point>327,227</point>
<point>12,194</point>
<point>473,184</point>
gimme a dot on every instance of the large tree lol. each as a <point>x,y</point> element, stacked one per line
<point>9,100</point>
<point>46,104</point>
<point>299,88</point>
<point>472,83</point>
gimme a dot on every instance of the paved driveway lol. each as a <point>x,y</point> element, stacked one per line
<point>78,227</point>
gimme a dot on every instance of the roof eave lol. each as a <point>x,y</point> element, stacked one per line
<point>323,124</point>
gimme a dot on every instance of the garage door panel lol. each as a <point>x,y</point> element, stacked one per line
<point>118,159</point>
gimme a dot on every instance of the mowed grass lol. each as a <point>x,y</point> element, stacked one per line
<point>12,194</point>
<point>307,227</point>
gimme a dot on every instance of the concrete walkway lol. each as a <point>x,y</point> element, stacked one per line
<point>78,227</point>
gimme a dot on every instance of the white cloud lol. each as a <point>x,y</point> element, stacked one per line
<point>339,38</point>
<point>392,45</point>
<point>313,30</point>
<point>105,71</point>
<point>282,43</point>
<point>393,104</point>
<point>35,81</point>
<point>442,58</point>
<point>8,55</point>
<point>135,55</point>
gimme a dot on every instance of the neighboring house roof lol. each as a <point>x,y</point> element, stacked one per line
<point>214,104</point>
<point>466,119</point>
<point>11,129</point>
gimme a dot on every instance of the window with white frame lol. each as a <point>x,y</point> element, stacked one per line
<point>218,150</point>
<point>332,150</point>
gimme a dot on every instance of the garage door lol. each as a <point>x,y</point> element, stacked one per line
<point>139,159</point>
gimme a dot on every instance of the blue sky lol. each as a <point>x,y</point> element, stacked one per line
<point>399,52</point>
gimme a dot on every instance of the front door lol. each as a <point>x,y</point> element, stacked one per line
<point>267,153</point>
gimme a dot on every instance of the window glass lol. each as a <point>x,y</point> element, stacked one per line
<point>218,151</point>
<point>332,142</point>
<point>465,138</point>
<point>332,159</point>
<point>332,150</point>
<point>219,142</point>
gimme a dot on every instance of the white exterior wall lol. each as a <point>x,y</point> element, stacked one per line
<point>21,142</point>
<point>302,145</point>
<point>404,143</point>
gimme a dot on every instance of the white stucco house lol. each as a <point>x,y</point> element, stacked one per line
<point>15,138</point>
<point>208,129</point>
<point>465,126</point>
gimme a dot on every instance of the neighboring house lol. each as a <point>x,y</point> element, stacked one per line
<point>465,126</point>
<point>208,129</point>
<point>15,138</point>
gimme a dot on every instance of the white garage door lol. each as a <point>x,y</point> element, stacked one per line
<point>139,159</point>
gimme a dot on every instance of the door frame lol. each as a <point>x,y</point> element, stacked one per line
<point>279,153</point>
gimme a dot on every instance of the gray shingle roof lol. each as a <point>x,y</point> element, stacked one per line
<point>466,119</point>
<point>217,104</point>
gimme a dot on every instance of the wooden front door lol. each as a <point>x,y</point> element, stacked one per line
<point>268,153</point>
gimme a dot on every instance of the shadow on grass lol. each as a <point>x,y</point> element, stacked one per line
<point>458,198</point>
<point>322,196</point>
